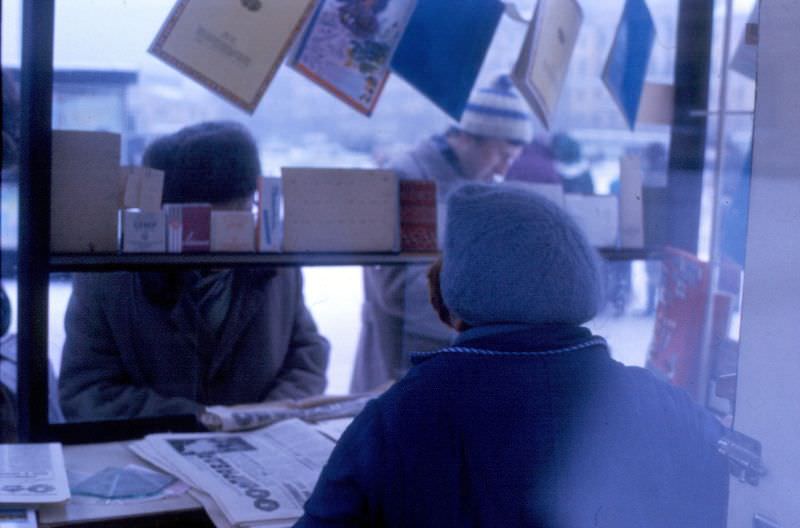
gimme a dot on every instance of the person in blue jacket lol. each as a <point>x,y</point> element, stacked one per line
<point>525,420</point>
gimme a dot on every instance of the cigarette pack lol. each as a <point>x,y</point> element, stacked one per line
<point>188,227</point>
<point>232,231</point>
<point>143,231</point>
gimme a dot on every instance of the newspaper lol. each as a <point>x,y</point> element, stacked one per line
<point>251,416</point>
<point>32,474</point>
<point>258,478</point>
<point>334,429</point>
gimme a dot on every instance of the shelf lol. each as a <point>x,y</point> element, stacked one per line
<point>114,262</point>
<point>630,253</point>
<point>111,262</point>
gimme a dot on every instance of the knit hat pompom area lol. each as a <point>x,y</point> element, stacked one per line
<point>214,162</point>
<point>513,256</point>
<point>498,111</point>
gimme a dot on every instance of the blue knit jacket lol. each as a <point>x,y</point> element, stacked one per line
<point>525,426</point>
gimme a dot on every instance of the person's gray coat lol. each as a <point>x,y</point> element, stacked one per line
<point>397,317</point>
<point>126,356</point>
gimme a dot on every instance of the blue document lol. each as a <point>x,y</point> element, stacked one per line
<point>443,48</point>
<point>626,65</point>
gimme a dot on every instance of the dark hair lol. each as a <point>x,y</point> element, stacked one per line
<point>565,148</point>
<point>215,161</point>
<point>437,301</point>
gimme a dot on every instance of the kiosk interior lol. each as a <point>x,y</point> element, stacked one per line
<point>675,157</point>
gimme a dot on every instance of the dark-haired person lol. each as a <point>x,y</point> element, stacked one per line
<point>155,343</point>
<point>396,317</point>
<point>525,420</point>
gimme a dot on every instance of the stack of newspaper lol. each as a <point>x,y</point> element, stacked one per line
<point>258,478</point>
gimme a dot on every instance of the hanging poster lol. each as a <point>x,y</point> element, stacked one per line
<point>348,46</point>
<point>443,48</point>
<point>626,65</point>
<point>542,64</point>
<point>233,48</point>
<point>680,314</point>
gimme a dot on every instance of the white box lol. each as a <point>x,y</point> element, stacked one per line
<point>270,215</point>
<point>340,210</point>
<point>232,231</point>
<point>143,231</point>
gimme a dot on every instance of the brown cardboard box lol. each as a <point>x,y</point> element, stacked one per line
<point>84,192</point>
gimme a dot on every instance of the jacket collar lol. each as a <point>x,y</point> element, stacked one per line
<point>520,339</point>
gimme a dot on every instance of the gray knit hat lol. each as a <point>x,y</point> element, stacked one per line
<point>512,256</point>
<point>498,111</point>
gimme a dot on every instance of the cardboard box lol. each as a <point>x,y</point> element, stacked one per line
<point>84,192</point>
<point>340,210</point>
<point>232,231</point>
<point>188,227</point>
<point>418,216</point>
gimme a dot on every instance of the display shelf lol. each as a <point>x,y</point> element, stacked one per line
<point>115,262</point>
<point>108,262</point>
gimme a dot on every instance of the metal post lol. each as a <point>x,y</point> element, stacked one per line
<point>36,93</point>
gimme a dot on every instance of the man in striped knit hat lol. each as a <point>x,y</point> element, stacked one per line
<point>396,317</point>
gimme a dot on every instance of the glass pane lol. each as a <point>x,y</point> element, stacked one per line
<point>726,197</point>
<point>120,87</point>
<point>9,217</point>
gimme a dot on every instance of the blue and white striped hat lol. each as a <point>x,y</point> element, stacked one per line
<point>498,112</point>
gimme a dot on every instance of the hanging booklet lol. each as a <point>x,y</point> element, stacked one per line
<point>443,48</point>
<point>233,48</point>
<point>626,65</point>
<point>348,46</point>
<point>543,61</point>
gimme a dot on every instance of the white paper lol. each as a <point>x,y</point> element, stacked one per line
<point>17,518</point>
<point>340,210</point>
<point>631,210</point>
<point>745,58</point>
<point>656,105</point>
<point>32,474</point>
<point>597,215</point>
<point>143,188</point>
<point>334,429</point>
<point>264,475</point>
<point>552,191</point>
